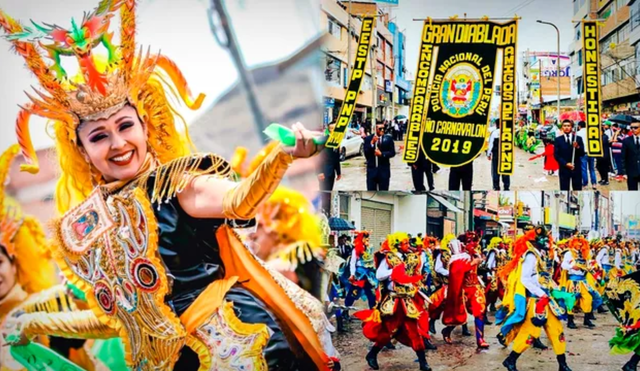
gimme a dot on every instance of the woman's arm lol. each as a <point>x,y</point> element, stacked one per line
<point>209,196</point>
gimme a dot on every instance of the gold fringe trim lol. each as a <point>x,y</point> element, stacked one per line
<point>173,177</point>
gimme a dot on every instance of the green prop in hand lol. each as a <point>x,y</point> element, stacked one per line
<point>286,136</point>
<point>36,357</point>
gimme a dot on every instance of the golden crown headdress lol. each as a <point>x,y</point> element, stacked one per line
<point>100,91</point>
<point>11,217</point>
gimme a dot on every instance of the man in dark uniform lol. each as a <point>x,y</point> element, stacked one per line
<point>419,168</point>
<point>379,148</point>
<point>631,157</point>
<point>461,175</point>
<point>328,171</point>
<point>493,156</point>
<point>568,151</point>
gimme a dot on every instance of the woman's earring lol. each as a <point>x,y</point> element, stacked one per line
<point>152,151</point>
<point>95,178</point>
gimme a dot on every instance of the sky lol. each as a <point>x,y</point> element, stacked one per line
<point>267,31</point>
<point>531,35</point>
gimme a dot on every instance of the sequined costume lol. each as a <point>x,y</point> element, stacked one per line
<point>530,303</point>
<point>401,312</point>
<point>36,288</point>
<point>465,290</point>
<point>361,272</point>
<point>623,299</point>
<point>496,257</point>
<point>181,292</point>
<point>577,279</point>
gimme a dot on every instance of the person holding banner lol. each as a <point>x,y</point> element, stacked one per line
<point>329,171</point>
<point>568,151</point>
<point>630,163</point>
<point>461,175</point>
<point>493,156</point>
<point>379,148</point>
<point>421,167</point>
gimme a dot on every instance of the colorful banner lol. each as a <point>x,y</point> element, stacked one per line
<point>449,121</point>
<point>592,92</point>
<point>357,75</point>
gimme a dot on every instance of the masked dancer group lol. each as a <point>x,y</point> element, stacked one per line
<point>528,285</point>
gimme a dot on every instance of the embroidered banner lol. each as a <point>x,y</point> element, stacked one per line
<point>454,87</point>
<point>592,92</point>
<point>357,75</point>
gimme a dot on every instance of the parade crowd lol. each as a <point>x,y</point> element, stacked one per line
<point>528,284</point>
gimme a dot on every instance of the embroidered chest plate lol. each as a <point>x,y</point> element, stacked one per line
<point>109,248</point>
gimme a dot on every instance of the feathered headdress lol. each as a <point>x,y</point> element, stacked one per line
<point>22,237</point>
<point>127,77</point>
<point>520,246</point>
<point>580,245</point>
<point>361,242</point>
<point>495,242</point>
<point>446,240</point>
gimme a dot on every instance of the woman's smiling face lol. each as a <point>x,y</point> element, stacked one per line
<point>116,146</point>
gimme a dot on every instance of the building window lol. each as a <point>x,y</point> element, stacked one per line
<point>634,15</point>
<point>623,32</point>
<point>367,83</point>
<point>606,12</point>
<point>389,75</point>
<point>578,29</point>
<point>621,3</point>
<point>344,207</point>
<point>580,57</point>
<point>335,29</point>
<point>576,6</point>
<point>379,74</point>
<point>579,85</point>
<point>332,71</point>
<point>387,50</point>
<point>379,42</point>
<point>637,59</point>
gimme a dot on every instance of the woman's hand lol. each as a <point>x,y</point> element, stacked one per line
<point>305,147</point>
<point>12,332</point>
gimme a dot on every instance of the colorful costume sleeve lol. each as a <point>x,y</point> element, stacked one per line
<point>242,201</point>
<point>78,324</point>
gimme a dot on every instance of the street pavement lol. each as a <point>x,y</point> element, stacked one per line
<point>528,175</point>
<point>587,350</point>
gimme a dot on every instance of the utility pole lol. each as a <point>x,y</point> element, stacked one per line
<point>515,215</point>
<point>557,63</point>
<point>349,40</point>
<point>374,88</point>
<point>231,44</point>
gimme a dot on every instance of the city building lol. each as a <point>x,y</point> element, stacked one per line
<point>595,213</point>
<point>403,88</point>
<point>382,213</point>
<point>540,71</point>
<point>618,45</point>
<point>340,49</point>
<point>446,213</point>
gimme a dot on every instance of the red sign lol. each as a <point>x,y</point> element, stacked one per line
<point>505,211</point>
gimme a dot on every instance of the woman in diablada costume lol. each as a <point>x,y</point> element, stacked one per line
<point>144,230</point>
<point>28,280</point>
<point>623,299</point>
<point>287,235</point>
<point>530,302</point>
<point>401,312</point>
<point>577,279</point>
<point>288,240</point>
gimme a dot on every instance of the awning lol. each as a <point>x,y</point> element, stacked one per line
<point>484,215</point>
<point>445,203</point>
<point>339,224</point>
<point>504,225</point>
